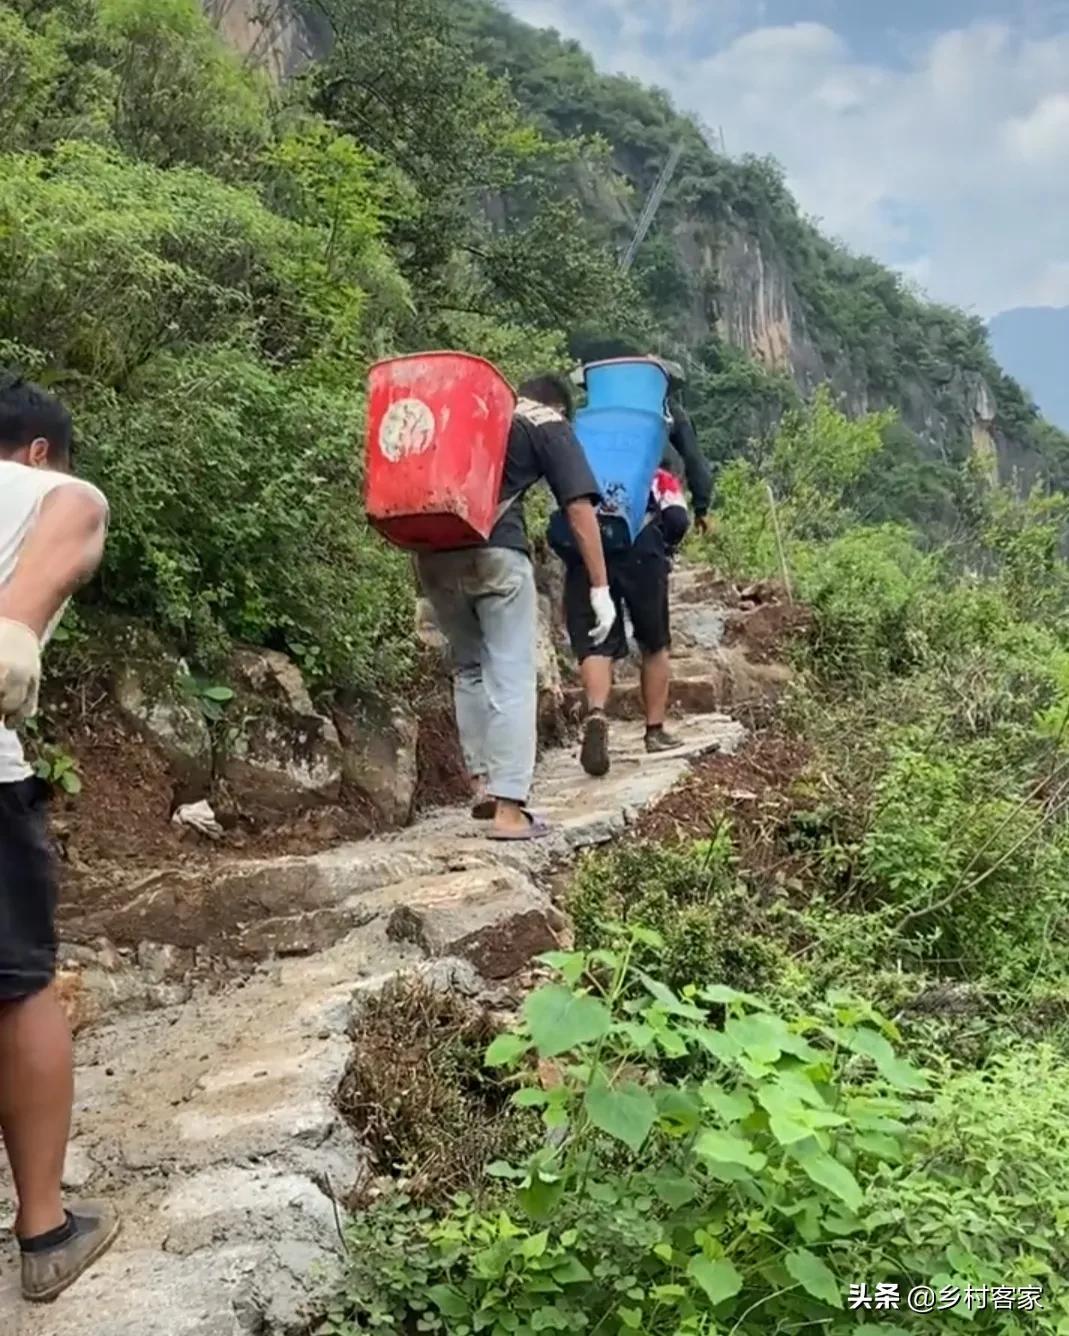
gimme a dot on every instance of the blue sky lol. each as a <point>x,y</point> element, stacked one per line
<point>933,134</point>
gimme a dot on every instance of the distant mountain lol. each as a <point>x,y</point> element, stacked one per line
<point>1032,343</point>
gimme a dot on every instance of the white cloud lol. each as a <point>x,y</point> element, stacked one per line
<point>955,164</point>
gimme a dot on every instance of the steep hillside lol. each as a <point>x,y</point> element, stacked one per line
<point>1033,343</point>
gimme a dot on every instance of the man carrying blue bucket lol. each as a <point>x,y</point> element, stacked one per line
<point>628,431</point>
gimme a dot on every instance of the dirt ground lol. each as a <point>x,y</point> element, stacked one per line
<point>753,789</point>
<point>122,817</point>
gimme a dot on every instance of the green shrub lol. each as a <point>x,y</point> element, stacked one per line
<point>748,1202</point>
<point>236,498</point>
<point>864,588</point>
<point>690,894</point>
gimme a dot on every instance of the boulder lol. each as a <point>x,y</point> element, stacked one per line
<point>151,699</point>
<point>379,760</point>
<point>494,918</point>
<point>282,755</point>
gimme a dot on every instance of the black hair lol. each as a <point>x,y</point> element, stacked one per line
<point>28,414</point>
<point>550,389</point>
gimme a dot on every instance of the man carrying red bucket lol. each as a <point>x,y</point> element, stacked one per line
<point>450,457</point>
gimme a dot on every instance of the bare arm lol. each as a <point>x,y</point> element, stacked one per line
<point>61,552</point>
<point>587,533</point>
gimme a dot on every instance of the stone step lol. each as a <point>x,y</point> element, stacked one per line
<point>702,684</point>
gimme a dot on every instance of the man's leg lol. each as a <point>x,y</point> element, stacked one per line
<point>644,583</point>
<point>595,666</point>
<point>443,580</point>
<point>36,1064</point>
<point>36,1096</point>
<point>656,680</point>
<point>507,608</point>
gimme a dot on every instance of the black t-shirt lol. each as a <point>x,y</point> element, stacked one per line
<point>542,444</point>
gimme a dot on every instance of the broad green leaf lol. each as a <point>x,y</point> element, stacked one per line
<point>963,1262</point>
<point>721,995</point>
<point>638,1035</point>
<point>626,1112</point>
<point>826,1171</point>
<point>530,1097</point>
<point>788,1130</point>
<point>814,1276</point>
<point>881,1146</point>
<point>668,1000</point>
<point>448,1300</point>
<point>630,1317</point>
<point>678,1111</point>
<point>571,964</point>
<point>541,1197</point>
<point>674,1192</point>
<point>648,937</point>
<point>505,1049</point>
<point>571,1272</point>
<point>894,1070</point>
<point>761,1037</point>
<point>718,1278</point>
<point>722,1148</point>
<point>535,1245</point>
<point>766,1038</point>
<point>732,1106</point>
<point>797,1085</point>
<point>560,1020</point>
<point>220,694</point>
<point>549,1318</point>
<point>717,1043</point>
<point>502,1169</point>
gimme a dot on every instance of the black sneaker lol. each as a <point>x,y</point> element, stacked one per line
<point>594,757</point>
<point>657,740</point>
<point>92,1227</point>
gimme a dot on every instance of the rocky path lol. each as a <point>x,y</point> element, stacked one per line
<point>213,1123</point>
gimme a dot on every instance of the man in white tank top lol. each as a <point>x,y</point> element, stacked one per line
<point>52,531</point>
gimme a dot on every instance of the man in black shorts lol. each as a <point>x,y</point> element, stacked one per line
<point>638,580</point>
<point>52,532</point>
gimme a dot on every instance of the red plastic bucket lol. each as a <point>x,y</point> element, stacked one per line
<point>437,431</point>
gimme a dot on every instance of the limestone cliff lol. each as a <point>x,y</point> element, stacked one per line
<point>749,300</point>
<point>278,36</point>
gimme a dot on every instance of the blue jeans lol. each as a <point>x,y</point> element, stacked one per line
<point>486,606</point>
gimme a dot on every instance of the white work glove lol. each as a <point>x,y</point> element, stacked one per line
<point>20,672</point>
<point>604,610</point>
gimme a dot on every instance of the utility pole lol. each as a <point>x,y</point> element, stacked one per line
<point>653,203</point>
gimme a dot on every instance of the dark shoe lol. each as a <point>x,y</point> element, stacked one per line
<point>594,757</point>
<point>657,740</point>
<point>46,1274</point>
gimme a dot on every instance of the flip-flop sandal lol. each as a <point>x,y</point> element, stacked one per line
<point>484,810</point>
<point>536,829</point>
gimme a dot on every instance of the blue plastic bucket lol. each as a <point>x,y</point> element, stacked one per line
<point>627,382</point>
<point>624,447</point>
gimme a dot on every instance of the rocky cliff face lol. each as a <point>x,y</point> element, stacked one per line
<point>278,36</point>
<point>755,306</point>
